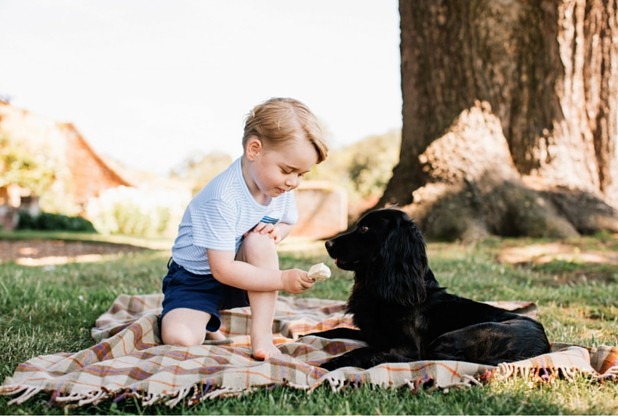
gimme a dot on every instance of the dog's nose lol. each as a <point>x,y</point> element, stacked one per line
<point>328,244</point>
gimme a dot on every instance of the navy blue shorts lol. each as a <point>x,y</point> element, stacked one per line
<point>183,289</point>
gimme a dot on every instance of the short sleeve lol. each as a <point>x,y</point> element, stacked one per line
<point>213,225</point>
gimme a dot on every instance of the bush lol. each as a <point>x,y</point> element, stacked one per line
<point>53,222</point>
<point>138,212</point>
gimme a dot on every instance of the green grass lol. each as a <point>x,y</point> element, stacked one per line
<point>46,310</point>
<point>151,243</point>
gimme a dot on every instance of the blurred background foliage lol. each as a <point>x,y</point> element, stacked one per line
<point>19,165</point>
<point>140,212</point>
<point>54,222</point>
<point>197,170</point>
<point>362,169</point>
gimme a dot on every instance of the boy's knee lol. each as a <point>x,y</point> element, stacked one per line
<point>176,330</point>
<point>257,246</point>
<point>183,338</point>
<point>257,239</point>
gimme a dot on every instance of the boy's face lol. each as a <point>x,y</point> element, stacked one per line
<point>275,170</point>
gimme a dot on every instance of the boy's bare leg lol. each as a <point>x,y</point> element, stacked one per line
<point>184,327</point>
<point>260,251</point>
<point>262,315</point>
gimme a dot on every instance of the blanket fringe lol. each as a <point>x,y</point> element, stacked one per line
<point>336,384</point>
<point>179,397</point>
<point>199,392</point>
<point>542,374</point>
<point>337,381</point>
<point>417,384</point>
<point>93,397</point>
<point>192,395</point>
<point>73,397</point>
<point>226,392</point>
<point>469,381</point>
<point>80,399</point>
<point>25,393</point>
<point>610,373</point>
<point>149,399</point>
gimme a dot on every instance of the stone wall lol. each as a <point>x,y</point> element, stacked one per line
<point>323,210</point>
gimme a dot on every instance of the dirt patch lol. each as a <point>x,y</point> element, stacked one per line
<point>546,253</point>
<point>580,277</point>
<point>47,252</point>
<point>563,263</point>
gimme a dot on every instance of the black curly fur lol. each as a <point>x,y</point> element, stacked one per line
<point>404,315</point>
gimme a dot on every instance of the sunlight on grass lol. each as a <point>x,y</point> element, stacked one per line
<point>51,309</point>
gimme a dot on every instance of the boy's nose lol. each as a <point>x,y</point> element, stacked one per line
<point>292,182</point>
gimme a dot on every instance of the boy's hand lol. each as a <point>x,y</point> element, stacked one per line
<point>269,229</point>
<point>295,280</point>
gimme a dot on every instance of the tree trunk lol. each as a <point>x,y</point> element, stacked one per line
<point>509,117</point>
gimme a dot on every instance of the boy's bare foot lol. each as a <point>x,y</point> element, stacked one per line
<point>264,352</point>
<point>215,336</point>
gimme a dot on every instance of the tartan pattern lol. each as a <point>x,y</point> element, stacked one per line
<point>129,360</point>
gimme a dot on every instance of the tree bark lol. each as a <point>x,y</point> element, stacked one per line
<point>509,117</point>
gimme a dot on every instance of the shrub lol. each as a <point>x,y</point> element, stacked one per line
<point>138,212</point>
<point>53,222</point>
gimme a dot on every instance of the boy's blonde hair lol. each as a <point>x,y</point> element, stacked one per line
<point>280,119</point>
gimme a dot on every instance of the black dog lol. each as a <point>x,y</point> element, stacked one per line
<point>404,315</point>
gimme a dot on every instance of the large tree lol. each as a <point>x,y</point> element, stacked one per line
<point>509,117</point>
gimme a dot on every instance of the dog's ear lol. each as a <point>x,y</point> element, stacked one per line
<point>400,272</point>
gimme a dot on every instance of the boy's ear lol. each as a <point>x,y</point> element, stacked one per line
<point>253,148</point>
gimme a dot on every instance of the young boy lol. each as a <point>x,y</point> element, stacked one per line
<point>225,253</point>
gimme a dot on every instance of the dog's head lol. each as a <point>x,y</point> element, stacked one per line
<point>387,252</point>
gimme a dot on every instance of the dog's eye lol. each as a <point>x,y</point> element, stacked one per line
<point>363,229</point>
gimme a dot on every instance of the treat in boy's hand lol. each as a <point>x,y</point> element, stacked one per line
<point>319,272</point>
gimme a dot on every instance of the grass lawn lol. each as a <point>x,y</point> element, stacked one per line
<point>50,309</point>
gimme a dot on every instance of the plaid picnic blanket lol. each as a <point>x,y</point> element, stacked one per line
<point>128,360</point>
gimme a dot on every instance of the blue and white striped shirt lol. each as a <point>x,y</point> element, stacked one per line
<point>220,214</point>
